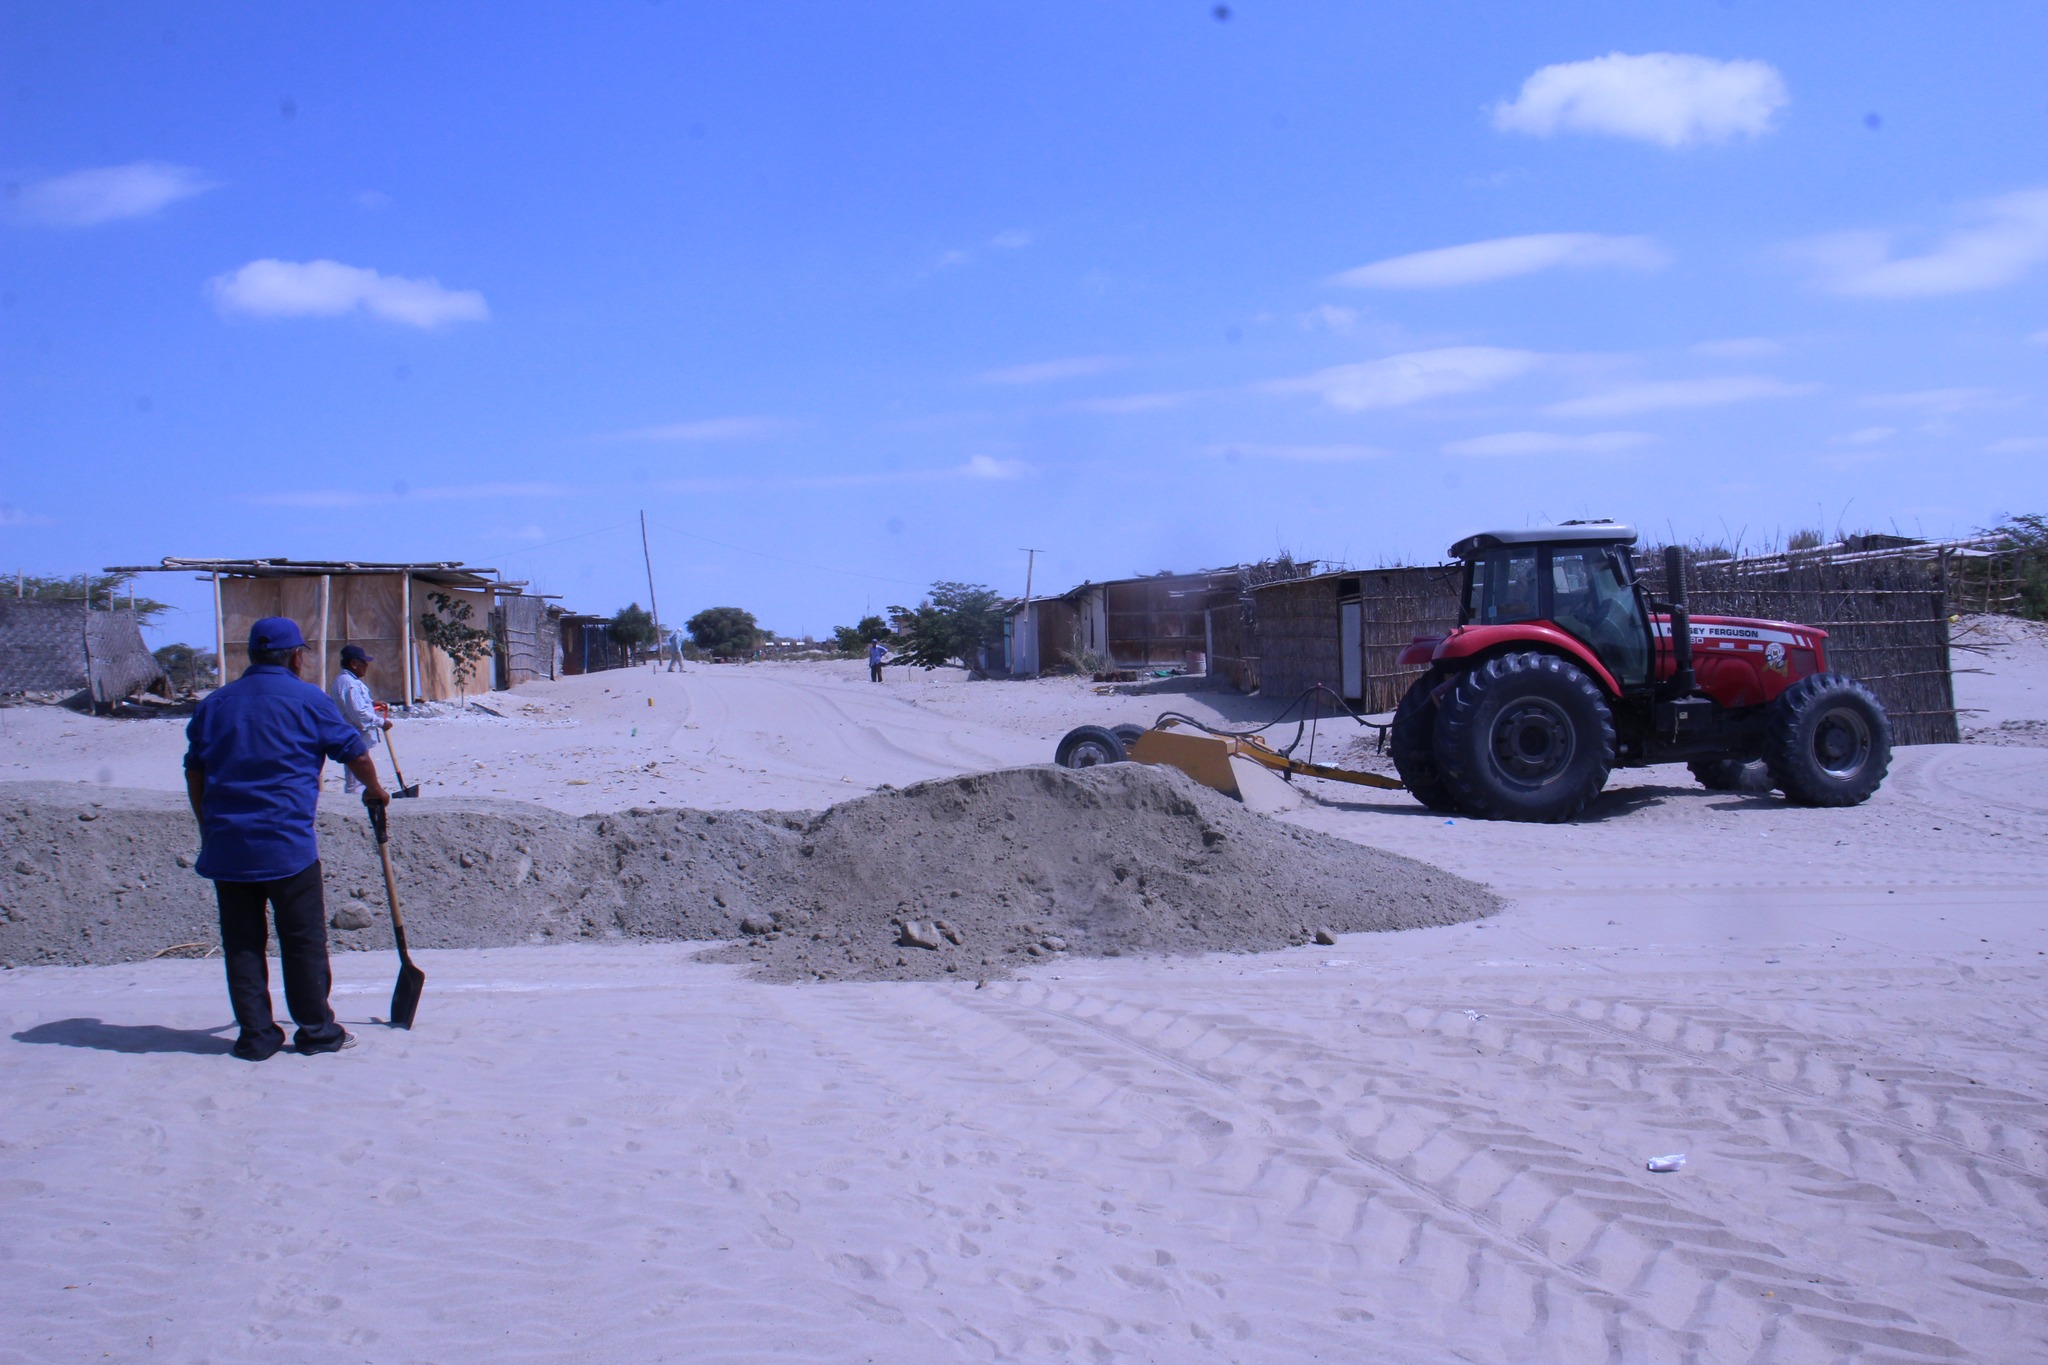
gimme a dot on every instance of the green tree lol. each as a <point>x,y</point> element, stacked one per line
<point>633,627</point>
<point>952,623</point>
<point>189,668</point>
<point>856,638</point>
<point>2028,536</point>
<point>725,630</point>
<point>106,589</point>
<point>447,629</point>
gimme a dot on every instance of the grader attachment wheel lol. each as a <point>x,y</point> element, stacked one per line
<point>1748,776</point>
<point>1089,746</point>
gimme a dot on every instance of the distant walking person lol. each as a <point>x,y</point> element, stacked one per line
<point>252,771</point>
<point>358,708</point>
<point>878,654</point>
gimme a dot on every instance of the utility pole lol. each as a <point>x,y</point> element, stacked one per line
<point>653,608</point>
<point>1030,616</point>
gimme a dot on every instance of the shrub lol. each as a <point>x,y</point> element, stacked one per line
<point>725,630</point>
<point>952,623</point>
<point>188,668</point>
<point>856,638</point>
<point>447,629</point>
<point>632,627</point>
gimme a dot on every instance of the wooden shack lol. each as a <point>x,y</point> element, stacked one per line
<point>335,602</point>
<point>1345,629</point>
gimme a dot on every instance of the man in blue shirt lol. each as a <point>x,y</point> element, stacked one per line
<point>252,770</point>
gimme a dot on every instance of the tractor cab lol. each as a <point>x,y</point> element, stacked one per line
<point>1578,578</point>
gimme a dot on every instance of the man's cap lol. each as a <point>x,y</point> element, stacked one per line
<point>354,654</point>
<point>276,632</point>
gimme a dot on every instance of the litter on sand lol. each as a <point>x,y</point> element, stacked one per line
<point>1664,1165</point>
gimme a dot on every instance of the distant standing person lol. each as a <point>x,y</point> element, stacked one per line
<point>358,707</point>
<point>878,654</point>
<point>252,771</point>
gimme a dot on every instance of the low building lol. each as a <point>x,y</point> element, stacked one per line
<point>335,602</point>
<point>1345,629</point>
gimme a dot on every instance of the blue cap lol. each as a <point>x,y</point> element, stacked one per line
<point>276,632</point>
<point>351,653</point>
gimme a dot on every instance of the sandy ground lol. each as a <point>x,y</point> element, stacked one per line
<point>1425,1146</point>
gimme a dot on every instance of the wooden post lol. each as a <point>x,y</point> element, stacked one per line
<point>653,608</point>
<point>405,608</point>
<point>220,636</point>
<point>323,630</point>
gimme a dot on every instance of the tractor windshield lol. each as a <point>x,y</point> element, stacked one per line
<point>1503,588</point>
<point>1590,599</point>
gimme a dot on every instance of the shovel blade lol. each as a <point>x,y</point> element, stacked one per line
<point>405,996</point>
<point>402,792</point>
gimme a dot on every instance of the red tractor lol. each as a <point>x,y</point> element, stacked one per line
<point>1561,669</point>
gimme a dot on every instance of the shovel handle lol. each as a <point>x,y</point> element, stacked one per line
<point>380,823</point>
<point>392,749</point>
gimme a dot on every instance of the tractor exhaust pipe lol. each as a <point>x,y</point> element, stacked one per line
<point>1684,682</point>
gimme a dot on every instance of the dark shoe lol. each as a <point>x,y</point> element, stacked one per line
<point>255,1052</point>
<point>347,1040</point>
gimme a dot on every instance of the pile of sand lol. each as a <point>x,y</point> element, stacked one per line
<point>985,871</point>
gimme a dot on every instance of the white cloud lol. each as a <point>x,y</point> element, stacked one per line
<point>1051,371</point>
<point>1504,257</point>
<point>1866,436</point>
<point>2019,445</point>
<point>989,467</point>
<point>1413,377</point>
<point>1331,318</point>
<point>2005,238</point>
<point>1011,240</point>
<point>1132,402</point>
<point>1511,443</point>
<point>1740,348</point>
<point>1659,395</point>
<point>1942,400</point>
<point>708,429</point>
<point>286,289</point>
<point>10,515</point>
<point>1302,454</point>
<point>1674,99</point>
<point>107,193</point>
<point>331,499</point>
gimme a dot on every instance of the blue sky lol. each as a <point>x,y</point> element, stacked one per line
<point>850,298</point>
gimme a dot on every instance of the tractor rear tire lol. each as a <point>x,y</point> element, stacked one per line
<point>1827,741</point>
<point>1525,737</point>
<point>1749,776</point>
<point>1089,746</point>
<point>1128,734</point>
<point>1412,737</point>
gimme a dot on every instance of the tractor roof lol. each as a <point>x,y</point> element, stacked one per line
<point>1571,533</point>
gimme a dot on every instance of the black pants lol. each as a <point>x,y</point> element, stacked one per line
<point>301,911</point>
<point>874,672</point>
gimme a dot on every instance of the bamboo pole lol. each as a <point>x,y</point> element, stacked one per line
<point>405,610</point>
<point>323,630</point>
<point>220,636</point>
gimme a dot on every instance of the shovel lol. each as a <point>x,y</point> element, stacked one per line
<point>405,996</point>
<point>403,790</point>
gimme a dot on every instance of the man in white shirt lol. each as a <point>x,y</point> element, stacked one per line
<point>358,708</point>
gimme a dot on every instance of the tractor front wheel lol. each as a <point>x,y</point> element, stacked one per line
<point>1412,737</point>
<point>1828,741</point>
<point>1524,737</point>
